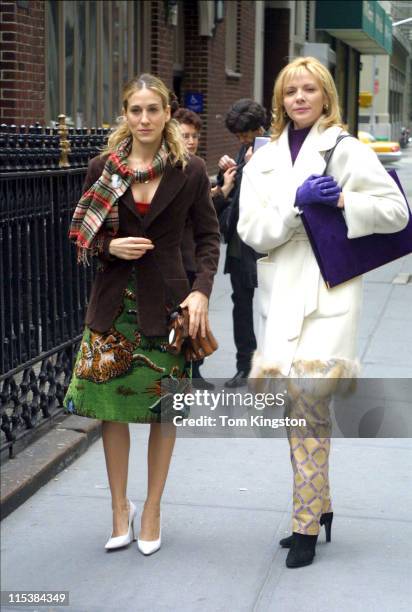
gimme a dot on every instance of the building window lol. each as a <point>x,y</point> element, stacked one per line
<point>179,40</point>
<point>300,19</point>
<point>52,63</point>
<point>232,47</point>
<point>308,21</point>
<point>93,48</point>
<point>178,51</point>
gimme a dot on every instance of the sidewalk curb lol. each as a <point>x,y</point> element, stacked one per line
<point>33,467</point>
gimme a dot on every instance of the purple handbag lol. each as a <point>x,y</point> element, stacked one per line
<point>341,258</point>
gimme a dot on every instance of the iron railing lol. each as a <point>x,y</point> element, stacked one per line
<point>43,292</point>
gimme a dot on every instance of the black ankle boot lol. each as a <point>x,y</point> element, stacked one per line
<point>325,519</point>
<point>286,542</point>
<point>238,380</point>
<point>302,550</point>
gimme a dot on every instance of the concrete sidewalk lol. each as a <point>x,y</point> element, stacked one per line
<point>227,503</point>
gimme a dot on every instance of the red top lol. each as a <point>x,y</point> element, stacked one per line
<point>142,207</point>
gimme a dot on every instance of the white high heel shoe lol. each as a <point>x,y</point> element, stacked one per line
<point>148,547</point>
<point>124,540</point>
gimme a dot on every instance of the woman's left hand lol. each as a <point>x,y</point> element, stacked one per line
<point>318,189</point>
<point>197,304</point>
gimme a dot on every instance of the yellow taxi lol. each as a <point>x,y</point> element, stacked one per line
<point>387,151</point>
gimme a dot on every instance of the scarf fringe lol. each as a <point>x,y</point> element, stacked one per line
<point>96,248</point>
<point>83,256</point>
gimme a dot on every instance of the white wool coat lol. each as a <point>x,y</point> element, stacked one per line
<point>306,329</point>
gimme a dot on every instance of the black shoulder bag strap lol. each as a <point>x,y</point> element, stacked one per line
<point>329,152</point>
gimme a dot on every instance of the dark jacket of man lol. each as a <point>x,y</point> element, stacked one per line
<point>181,193</point>
<point>228,212</point>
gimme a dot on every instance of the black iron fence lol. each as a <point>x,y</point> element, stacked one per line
<point>45,148</point>
<point>43,292</point>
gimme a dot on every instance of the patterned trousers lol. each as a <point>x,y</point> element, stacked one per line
<point>309,454</point>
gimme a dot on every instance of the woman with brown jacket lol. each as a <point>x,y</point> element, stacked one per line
<point>137,197</point>
<point>190,126</point>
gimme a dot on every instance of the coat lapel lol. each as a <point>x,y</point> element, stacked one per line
<point>279,158</point>
<point>311,155</point>
<point>310,159</point>
<point>276,165</point>
<point>172,182</point>
<point>128,201</point>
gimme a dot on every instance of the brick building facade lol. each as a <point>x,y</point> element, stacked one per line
<point>22,63</point>
<point>205,71</point>
<point>25,37</point>
<point>73,57</point>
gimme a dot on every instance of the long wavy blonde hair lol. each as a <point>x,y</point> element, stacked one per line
<point>331,115</point>
<point>172,135</point>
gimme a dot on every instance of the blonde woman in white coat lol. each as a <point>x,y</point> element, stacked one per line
<point>306,330</point>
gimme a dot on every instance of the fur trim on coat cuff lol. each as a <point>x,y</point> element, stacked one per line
<point>313,377</point>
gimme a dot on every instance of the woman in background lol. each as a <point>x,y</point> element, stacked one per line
<point>190,127</point>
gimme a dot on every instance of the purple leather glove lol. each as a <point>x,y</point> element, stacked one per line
<point>318,189</point>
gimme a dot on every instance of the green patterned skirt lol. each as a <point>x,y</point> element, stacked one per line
<point>122,375</point>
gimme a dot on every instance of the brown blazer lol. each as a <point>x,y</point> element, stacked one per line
<point>188,245</point>
<point>181,193</point>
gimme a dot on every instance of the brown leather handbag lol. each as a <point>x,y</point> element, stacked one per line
<point>194,349</point>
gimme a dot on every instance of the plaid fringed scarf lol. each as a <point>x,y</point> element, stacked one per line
<point>97,215</point>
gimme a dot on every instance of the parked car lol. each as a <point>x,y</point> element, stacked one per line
<point>387,151</point>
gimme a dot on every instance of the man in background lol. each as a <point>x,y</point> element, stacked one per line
<point>246,119</point>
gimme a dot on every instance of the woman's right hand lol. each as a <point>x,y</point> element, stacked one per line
<point>130,247</point>
<point>226,162</point>
<point>228,180</point>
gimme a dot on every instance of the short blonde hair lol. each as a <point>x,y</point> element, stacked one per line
<point>331,116</point>
<point>171,133</point>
